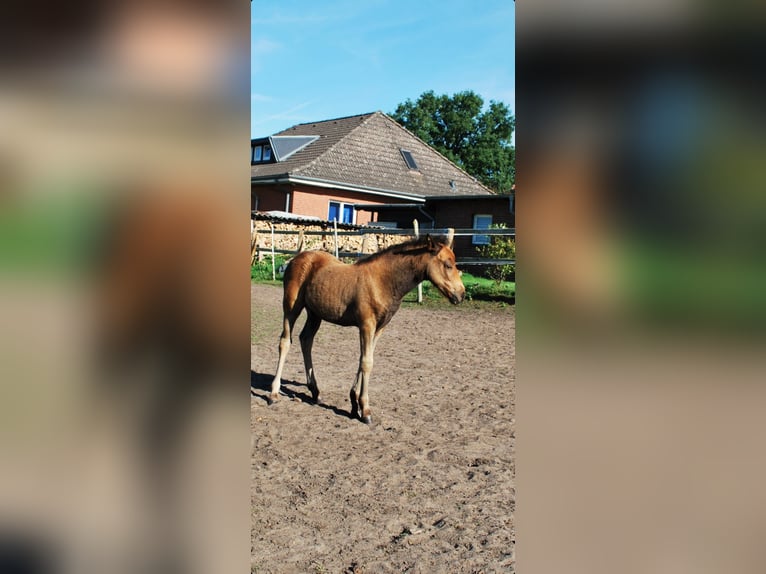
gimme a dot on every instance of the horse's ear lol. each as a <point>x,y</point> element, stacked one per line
<point>431,245</point>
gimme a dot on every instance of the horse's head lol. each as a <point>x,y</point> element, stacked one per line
<point>442,271</point>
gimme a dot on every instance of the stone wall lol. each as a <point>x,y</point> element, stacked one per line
<point>362,243</point>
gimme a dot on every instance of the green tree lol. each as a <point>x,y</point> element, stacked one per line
<point>476,139</point>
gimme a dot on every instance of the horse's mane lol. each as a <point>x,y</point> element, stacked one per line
<point>411,247</point>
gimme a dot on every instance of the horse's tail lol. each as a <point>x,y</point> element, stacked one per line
<point>296,275</point>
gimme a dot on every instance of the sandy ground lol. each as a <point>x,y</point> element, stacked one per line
<point>429,487</point>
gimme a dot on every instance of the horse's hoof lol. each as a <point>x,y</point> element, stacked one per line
<point>367,420</point>
<point>271,399</point>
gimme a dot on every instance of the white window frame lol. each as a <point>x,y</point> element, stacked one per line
<point>481,239</point>
<point>342,205</point>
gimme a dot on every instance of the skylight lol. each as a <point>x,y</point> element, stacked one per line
<point>408,159</point>
<point>285,146</point>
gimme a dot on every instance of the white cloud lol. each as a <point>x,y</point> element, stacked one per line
<point>289,114</point>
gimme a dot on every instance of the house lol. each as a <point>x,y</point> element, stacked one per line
<point>368,169</point>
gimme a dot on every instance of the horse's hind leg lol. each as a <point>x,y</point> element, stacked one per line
<point>353,396</point>
<point>292,311</point>
<point>307,341</point>
<point>284,347</point>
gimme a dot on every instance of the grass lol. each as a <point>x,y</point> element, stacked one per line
<point>476,288</point>
<point>479,292</point>
<point>261,271</point>
<point>483,288</point>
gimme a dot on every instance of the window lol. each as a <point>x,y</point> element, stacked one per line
<point>260,154</point>
<point>334,213</point>
<point>348,213</point>
<point>408,159</point>
<point>261,150</point>
<point>481,222</point>
<point>342,212</point>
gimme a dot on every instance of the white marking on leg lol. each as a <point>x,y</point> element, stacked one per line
<point>366,361</point>
<point>284,348</point>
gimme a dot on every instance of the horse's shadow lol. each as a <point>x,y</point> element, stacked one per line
<point>262,382</point>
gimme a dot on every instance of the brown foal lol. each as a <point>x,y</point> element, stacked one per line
<point>365,294</point>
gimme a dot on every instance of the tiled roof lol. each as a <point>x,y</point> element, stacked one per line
<point>364,151</point>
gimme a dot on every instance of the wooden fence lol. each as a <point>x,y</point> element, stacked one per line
<point>332,237</point>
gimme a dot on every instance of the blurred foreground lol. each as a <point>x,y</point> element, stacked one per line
<point>641,287</point>
<point>124,288</point>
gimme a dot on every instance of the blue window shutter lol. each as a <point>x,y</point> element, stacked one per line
<point>334,212</point>
<point>348,213</point>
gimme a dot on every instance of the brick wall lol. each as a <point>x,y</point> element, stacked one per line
<point>310,201</point>
<point>307,200</point>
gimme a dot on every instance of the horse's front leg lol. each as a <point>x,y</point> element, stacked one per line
<point>367,339</point>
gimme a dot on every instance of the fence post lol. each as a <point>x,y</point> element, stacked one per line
<point>416,227</point>
<point>335,233</point>
<point>273,263</point>
<point>300,241</point>
<point>253,241</point>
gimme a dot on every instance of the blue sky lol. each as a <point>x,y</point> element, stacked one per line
<point>315,60</point>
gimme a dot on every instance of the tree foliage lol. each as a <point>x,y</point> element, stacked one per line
<point>476,139</point>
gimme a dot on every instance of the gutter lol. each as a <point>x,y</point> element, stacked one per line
<point>466,196</point>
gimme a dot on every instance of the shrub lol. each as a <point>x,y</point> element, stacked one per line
<point>501,247</point>
<point>261,270</point>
